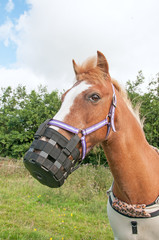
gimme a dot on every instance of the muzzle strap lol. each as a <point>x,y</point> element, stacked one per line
<point>71,145</point>
<point>41,129</point>
<point>112,109</point>
<point>64,126</point>
<point>84,147</point>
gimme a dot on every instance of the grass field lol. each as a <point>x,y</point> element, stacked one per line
<point>76,211</point>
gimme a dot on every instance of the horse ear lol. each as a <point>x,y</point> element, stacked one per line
<point>75,66</point>
<point>102,62</point>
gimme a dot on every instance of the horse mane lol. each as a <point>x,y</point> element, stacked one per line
<point>135,110</point>
<point>90,65</point>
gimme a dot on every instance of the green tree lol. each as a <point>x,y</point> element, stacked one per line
<point>96,157</point>
<point>134,89</point>
<point>20,115</point>
<point>150,111</point>
<point>149,105</point>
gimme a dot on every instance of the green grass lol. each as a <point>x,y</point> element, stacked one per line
<point>76,211</point>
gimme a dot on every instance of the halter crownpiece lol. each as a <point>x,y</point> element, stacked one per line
<point>51,161</point>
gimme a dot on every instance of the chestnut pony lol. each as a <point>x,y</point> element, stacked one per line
<point>133,162</point>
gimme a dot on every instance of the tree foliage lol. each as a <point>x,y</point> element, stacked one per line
<point>21,113</point>
<point>149,105</point>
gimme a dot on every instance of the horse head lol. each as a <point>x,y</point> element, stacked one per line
<point>88,101</point>
<point>85,118</point>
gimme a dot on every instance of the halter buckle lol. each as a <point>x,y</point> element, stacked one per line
<point>114,101</point>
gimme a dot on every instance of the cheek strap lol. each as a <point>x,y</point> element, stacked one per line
<point>91,129</point>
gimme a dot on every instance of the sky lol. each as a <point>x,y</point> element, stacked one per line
<point>39,39</point>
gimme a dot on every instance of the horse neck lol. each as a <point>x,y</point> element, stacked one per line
<point>133,163</point>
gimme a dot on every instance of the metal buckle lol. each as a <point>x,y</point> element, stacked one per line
<point>114,101</point>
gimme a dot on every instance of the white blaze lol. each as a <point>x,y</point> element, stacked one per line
<point>69,100</point>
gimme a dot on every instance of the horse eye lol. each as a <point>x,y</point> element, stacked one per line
<point>94,98</point>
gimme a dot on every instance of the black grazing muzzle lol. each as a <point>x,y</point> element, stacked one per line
<point>50,161</point>
<point>52,157</point>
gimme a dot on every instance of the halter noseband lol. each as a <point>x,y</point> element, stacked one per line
<point>91,129</point>
<point>51,161</point>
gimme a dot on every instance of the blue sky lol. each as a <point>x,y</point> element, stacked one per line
<point>39,39</point>
<point>17,7</point>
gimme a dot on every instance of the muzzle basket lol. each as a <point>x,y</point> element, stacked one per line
<point>51,156</point>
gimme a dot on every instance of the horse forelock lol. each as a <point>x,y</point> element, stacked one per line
<point>89,70</point>
<point>87,65</point>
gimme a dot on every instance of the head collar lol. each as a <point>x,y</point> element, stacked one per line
<point>51,160</point>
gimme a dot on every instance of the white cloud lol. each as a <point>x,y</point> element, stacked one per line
<point>6,32</point>
<point>26,77</point>
<point>77,29</point>
<point>9,6</point>
<point>22,76</point>
<point>51,33</point>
